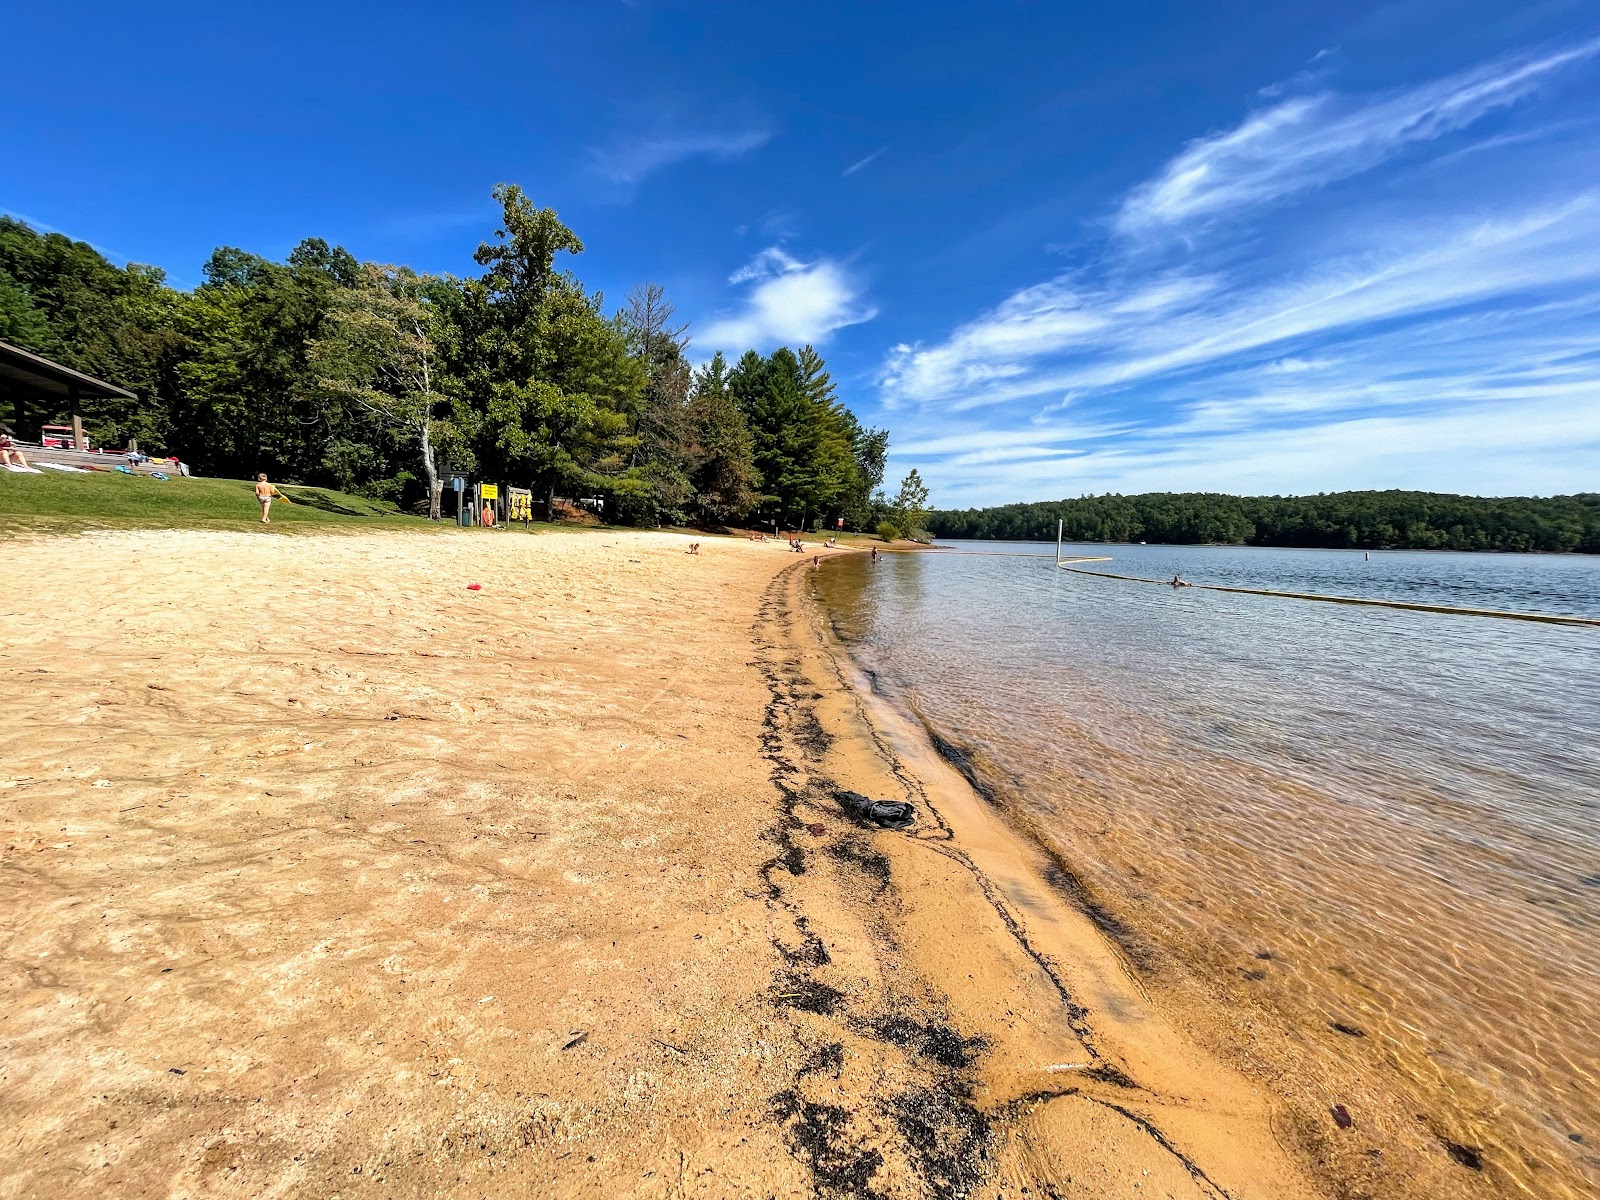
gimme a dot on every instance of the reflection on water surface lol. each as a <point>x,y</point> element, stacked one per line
<point>1376,827</point>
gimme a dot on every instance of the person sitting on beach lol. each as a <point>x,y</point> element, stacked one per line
<point>10,456</point>
<point>694,547</point>
<point>266,493</point>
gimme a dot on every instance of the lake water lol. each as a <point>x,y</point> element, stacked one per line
<point>1316,816</point>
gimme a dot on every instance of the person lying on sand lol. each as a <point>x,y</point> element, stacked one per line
<point>694,547</point>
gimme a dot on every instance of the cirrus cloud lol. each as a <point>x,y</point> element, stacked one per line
<point>631,160</point>
<point>1307,142</point>
<point>1429,325</point>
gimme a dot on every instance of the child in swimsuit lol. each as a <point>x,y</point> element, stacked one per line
<point>264,493</point>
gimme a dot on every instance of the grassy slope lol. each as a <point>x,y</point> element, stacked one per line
<point>55,502</point>
<point>58,502</point>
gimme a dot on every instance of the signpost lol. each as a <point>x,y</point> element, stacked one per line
<point>458,485</point>
<point>488,493</point>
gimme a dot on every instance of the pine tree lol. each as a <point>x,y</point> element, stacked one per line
<point>722,453</point>
<point>662,425</point>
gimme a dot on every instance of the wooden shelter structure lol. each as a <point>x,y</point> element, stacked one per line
<point>32,384</point>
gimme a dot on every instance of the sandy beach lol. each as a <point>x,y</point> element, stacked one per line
<point>325,875</point>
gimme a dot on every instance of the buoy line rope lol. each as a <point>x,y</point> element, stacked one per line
<point>1544,618</point>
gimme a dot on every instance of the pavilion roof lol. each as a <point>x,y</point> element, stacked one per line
<point>23,368</point>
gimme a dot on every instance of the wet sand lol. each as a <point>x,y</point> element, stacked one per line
<point>325,875</point>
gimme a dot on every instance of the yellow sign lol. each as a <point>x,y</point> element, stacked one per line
<point>489,491</point>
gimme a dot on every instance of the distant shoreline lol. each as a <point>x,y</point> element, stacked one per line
<point>1361,520</point>
<point>1049,542</point>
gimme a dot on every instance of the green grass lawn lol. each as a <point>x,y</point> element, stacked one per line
<point>56,502</point>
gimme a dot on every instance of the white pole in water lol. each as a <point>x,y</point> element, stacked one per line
<point>1059,526</point>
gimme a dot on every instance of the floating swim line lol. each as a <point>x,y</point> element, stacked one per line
<point>946,552</point>
<point>1544,618</point>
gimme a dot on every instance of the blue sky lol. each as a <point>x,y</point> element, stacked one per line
<point>1056,248</point>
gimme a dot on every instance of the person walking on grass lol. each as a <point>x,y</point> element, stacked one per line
<point>266,493</point>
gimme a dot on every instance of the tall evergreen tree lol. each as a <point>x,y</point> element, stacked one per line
<point>771,395</point>
<point>722,452</point>
<point>663,428</point>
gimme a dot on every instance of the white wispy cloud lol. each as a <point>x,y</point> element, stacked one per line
<point>788,301</point>
<point>1432,329</point>
<point>1306,142</point>
<point>1498,400</point>
<point>774,260</point>
<point>1105,336</point>
<point>633,159</point>
<point>1515,448</point>
<point>862,163</point>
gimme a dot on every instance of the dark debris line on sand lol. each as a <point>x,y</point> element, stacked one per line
<point>943,1136</point>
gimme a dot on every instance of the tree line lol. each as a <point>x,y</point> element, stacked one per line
<point>378,380</point>
<point>1374,520</point>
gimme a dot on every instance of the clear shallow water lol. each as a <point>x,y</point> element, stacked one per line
<point>1399,810</point>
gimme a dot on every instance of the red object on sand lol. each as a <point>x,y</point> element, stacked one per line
<point>474,587</point>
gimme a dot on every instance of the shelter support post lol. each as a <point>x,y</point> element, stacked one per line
<point>77,418</point>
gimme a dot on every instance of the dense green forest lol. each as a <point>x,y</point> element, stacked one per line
<point>1391,520</point>
<point>376,380</point>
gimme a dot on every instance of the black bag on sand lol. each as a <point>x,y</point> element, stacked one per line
<point>890,814</point>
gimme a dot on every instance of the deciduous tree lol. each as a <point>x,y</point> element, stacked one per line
<point>378,352</point>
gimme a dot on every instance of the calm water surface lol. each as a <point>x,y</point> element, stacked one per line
<point>1376,819</point>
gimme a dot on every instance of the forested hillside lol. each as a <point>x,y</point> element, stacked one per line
<point>375,380</point>
<point>1390,520</point>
